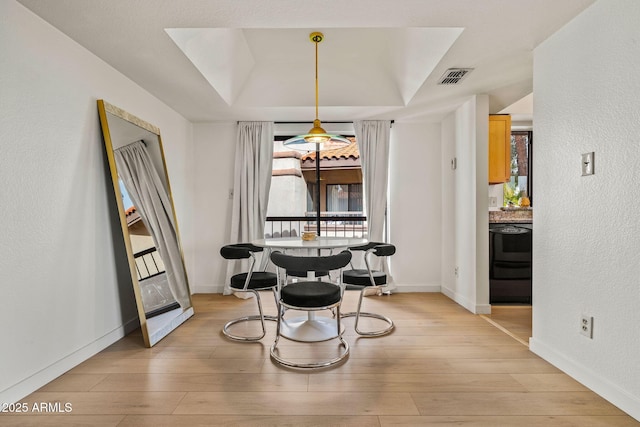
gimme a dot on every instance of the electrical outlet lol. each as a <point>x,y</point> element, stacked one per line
<point>231,194</point>
<point>586,326</point>
<point>456,271</point>
<point>493,202</point>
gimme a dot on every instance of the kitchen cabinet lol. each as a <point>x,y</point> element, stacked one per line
<point>499,148</point>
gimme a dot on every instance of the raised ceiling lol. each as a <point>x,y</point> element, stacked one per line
<point>214,60</point>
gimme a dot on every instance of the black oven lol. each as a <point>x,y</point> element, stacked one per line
<point>510,263</point>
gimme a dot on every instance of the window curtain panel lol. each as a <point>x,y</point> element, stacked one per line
<point>150,197</point>
<point>253,164</point>
<point>373,138</point>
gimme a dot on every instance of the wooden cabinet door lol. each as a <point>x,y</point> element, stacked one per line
<point>499,148</point>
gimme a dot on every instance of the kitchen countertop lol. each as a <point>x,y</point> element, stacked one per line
<point>523,216</point>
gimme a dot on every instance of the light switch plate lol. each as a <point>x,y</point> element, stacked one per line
<point>587,163</point>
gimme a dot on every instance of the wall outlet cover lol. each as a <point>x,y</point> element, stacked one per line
<point>587,163</point>
<point>586,326</point>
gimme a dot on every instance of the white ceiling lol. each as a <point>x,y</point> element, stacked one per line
<point>216,60</point>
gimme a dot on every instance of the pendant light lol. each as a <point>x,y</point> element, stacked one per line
<point>317,138</point>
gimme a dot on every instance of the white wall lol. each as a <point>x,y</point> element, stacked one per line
<point>64,280</point>
<point>465,225</point>
<point>415,205</point>
<point>448,206</point>
<point>481,205</point>
<point>214,148</point>
<point>587,232</point>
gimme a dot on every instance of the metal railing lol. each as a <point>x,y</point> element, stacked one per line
<point>336,224</point>
<point>148,263</point>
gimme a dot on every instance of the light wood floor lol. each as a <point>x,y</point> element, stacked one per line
<point>515,320</point>
<point>441,366</point>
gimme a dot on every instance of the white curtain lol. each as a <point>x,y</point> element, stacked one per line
<point>150,197</point>
<point>373,137</point>
<point>253,164</point>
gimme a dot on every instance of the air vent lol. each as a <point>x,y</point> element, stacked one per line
<point>453,76</point>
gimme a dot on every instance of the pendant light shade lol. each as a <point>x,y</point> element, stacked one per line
<point>317,138</point>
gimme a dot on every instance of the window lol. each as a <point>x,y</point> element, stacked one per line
<point>521,157</point>
<point>294,189</point>
<point>344,197</point>
<point>297,198</point>
<point>311,197</point>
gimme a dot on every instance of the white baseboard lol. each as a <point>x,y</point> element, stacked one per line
<point>206,289</point>
<point>483,309</point>
<point>609,391</point>
<point>416,288</point>
<point>218,289</point>
<point>466,303</point>
<point>27,386</point>
<point>471,306</point>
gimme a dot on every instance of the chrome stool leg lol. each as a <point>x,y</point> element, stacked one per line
<point>261,317</point>
<point>359,313</point>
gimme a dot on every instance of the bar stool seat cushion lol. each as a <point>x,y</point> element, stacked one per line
<point>259,280</point>
<point>360,277</point>
<point>310,294</point>
<point>304,273</point>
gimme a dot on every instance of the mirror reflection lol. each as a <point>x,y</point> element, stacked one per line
<point>149,226</point>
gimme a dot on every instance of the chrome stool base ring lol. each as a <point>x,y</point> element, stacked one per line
<point>314,365</point>
<point>381,332</point>
<point>225,329</point>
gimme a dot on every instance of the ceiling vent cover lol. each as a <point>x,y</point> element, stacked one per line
<point>453,76</point>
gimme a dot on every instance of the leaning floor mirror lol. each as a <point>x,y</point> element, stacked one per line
<point>148,220</point>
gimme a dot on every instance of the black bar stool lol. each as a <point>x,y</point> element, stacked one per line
<point>309,295</point>
<point>370,282</point>
<point>251,281</point>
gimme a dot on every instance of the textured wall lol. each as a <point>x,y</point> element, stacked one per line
<point>587,232</point>
<point>414,205</point>
<point>212,213</point>
<point>66,291</point>
<point>465,229</point>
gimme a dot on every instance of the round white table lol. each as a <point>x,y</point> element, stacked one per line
<point>310,328</point>
<point>321,242</point>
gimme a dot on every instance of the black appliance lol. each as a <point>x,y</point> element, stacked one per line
<point>510,263</point>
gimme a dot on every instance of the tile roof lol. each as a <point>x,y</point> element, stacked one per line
<point>348,152</point>
<point>132,215</point>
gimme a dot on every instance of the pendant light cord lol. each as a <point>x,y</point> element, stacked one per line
<point>317,40</point>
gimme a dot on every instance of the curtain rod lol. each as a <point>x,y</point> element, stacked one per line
<point>305,123</point>
<point>309,123</point>
<point>295,123</point>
